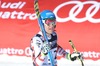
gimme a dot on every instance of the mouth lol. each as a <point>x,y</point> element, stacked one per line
<point>51,29</point>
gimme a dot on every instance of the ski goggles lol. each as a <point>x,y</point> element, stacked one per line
<point>50,22</point>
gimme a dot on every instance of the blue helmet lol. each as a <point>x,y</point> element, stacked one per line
<point>47,14</point>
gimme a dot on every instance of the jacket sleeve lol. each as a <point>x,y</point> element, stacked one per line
<point>62,52</point>
<point>36,45</point>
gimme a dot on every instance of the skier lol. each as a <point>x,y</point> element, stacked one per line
<point>40,48</point>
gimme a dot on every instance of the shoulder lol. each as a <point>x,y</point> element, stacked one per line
<point>37,38</point>
<point>36,42</point>
<point>54,34</point>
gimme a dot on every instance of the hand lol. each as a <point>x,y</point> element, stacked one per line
<point>76,55</point>
<point>46,48</point>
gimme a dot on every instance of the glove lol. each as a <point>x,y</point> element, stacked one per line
<point>76,55</point>
<point>46,48</point>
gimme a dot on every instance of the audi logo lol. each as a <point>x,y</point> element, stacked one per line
<point>77,9</point>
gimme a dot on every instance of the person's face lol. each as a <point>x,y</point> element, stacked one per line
<point>50,26</point>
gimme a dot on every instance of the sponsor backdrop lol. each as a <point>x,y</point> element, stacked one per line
<point>76,20</point>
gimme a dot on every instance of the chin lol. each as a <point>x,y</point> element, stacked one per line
<point>50,32</point>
